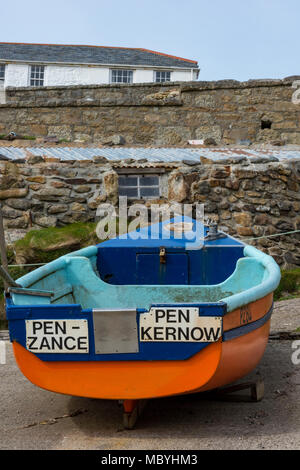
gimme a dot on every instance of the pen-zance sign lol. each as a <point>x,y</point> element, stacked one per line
<point>57,336</point>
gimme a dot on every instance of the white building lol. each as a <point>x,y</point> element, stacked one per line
<point>23,65</point>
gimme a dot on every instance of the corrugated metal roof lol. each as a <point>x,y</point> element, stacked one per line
<point>76,54</point>
<point>151,154</point>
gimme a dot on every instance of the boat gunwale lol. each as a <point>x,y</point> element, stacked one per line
<point>234,301</point>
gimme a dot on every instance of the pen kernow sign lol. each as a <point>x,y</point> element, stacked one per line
<point>182,324</point>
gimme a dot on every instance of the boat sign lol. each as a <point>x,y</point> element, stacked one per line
<point>57,336</point>
<point>183,324</point>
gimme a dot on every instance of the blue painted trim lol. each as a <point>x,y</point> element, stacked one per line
<point>148,351</point>
<point>245,329</point>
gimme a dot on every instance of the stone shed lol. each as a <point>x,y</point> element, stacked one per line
<point>252,193</point>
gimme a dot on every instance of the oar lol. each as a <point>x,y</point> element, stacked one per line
<point>8,280</point>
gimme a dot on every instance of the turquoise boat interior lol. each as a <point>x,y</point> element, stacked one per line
<point>137,272</point>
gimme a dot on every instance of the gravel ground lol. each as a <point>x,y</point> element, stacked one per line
<point>32,418</point>
<point>286,316</point>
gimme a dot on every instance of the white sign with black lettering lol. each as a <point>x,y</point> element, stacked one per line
<point>57,336</point>
<point>183,324</point>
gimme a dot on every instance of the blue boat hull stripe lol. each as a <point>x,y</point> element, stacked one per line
<point>243,330</point>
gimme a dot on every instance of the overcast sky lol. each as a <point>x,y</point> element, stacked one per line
<point>229,38</point>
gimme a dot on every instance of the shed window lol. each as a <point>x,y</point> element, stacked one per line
<point>37,73</point>
<point>162,76</point>
<point>139,186</point>
<point>2,73</point>
<point>121,76</point>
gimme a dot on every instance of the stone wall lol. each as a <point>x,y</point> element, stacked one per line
<point>248,199</point>
<point>167,114</point>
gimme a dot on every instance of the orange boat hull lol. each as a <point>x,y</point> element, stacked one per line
<point>218,364</point>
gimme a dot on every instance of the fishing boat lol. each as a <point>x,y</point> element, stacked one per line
<point>144,316</point>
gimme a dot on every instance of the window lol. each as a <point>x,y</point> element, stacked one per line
<point>139,186</point>
<point>121,76</point>
<point>2,73</point>
<point>37,73</point>
<point>162,76</point>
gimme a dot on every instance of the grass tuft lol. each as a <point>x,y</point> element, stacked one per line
<point>44,246</point>
<point>289,286</point>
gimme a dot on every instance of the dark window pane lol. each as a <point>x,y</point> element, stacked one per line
<point>149,181</point>
<point>128,181</point>
<point>2,72</point>
<point>149,192</point>
<point>37,75</point>
<point>129,192</point>
<point>121,76</point>
<point>162,76</point>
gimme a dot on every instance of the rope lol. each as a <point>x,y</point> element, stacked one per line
<point>274,235</point>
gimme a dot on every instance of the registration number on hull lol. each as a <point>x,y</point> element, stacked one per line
<point>57,336</point>
<point>167,324</point>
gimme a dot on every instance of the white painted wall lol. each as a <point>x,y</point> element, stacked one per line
<point>17,75</point>
<point>62,75</point>
<point>143,76</point>
<point>181,75</point>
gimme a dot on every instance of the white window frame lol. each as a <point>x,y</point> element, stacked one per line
<point>162,71</point>
<point>31,66</point>
<point>3,67</point>
<point>138,186</point>
<point>121,71</point>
